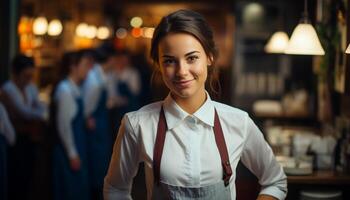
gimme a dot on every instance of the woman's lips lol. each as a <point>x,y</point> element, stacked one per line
<point>183,83</point>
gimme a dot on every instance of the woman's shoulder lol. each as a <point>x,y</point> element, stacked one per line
<point>227,109</point>
<point>146,111</point>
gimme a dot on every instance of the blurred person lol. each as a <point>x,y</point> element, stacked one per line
<point>190,144</point>
<point>125,88</point>
<point>7,137</point>
<point>96,112</point>
<point>70,161</point>
<point>28,116</point>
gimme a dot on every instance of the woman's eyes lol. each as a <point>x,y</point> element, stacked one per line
<point>189,60</point>
<point>192,59</point>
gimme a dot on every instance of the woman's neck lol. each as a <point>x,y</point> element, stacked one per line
<point>191,104</point>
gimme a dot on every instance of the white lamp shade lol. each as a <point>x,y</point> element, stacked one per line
<point>304,41</point>
<point>277,43</point>
<point>348,50</point>
<point>55,27</point>
<point>40,26</point>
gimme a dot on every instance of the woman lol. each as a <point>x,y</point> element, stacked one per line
<point>96,114</point>
<point>190,144</point>
<point>70,153</point>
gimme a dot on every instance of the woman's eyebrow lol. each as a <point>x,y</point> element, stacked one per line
<point>192,52</point>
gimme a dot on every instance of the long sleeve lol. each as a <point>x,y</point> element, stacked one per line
<point>6,127</point>
<point>66,111</point>
<point>124,164</point>
<point>38,105</point>
<point>16,104</point>
<point>91,92</point>
<point>258,157</point>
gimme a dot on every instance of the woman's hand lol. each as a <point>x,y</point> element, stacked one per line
<point>91,123</point>
<point>75,164</point>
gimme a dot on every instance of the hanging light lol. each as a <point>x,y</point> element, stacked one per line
<point>304,39</point>
<point>348,50</point>
<point>81,29</point>
<point>121,33</point>
<point>91,32</point>
<point>136,22</point>
<point>55,27</point>
<point>103,32</point>
<point>277,43</point>
<point>40,26</point>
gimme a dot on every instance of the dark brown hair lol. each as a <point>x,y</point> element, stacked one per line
<point>189,22</point>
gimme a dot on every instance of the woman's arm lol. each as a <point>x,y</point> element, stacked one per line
<point>258,157</point>
<point>124,164</point>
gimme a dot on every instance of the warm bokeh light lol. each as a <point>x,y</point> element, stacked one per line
<point>277,43</point>
<point>121,33</point>
<point>147,32</point>
<point>81,29</point>
<point>40,26</point>
<point>103,33</point>
<point>348,50</point>
<point>25,25</point>
<point>136,32</point>
<point>136,22</point>
<point>91,32</point>
<point>304,41</point>
<point>55,27</point>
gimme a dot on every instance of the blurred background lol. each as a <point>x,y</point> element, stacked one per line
<point>284,62</point>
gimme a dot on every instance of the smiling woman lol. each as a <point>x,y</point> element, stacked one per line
<point>190,144</point>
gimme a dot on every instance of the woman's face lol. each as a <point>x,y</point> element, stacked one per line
<point>183,64</point>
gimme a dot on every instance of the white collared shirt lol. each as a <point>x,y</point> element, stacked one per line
<point>93,85</point>
<point>65,97</point>
<point>130,76</point>
<point>190,155</point>
<point>28,106</point>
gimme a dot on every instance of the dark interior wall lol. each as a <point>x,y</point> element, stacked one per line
<point>8,35</point>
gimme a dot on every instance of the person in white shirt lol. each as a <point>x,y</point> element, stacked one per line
<point>7,137</point>
<point>28,116</point>
<point>70,162</point>
<point>95,93</point>
<point>190,144</point>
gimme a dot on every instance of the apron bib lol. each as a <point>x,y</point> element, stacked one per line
<point>220,190</point>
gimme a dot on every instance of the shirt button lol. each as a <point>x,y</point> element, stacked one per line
<point>191,120</point>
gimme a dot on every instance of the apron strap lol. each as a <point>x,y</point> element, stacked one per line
<point>158,146</point>
<point>219,139</point>
<point>221,145</point>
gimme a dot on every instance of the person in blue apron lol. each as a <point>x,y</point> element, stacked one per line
<point>70,162</point>
<point>96,113</point>
<point>125,89</point>
<point>28,115</point>
<point>7,137</point>
<point>190,144</point>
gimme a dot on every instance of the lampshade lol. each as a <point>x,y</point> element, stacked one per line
<point>40,26</point>
<point>348,50</point>
<point>55,27</point>
<point>304,41</point>
<point>277,43</point>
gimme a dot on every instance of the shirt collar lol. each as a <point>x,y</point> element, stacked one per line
<point>174,114</point>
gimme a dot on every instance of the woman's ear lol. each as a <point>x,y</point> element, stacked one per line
<point>210,60</point>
